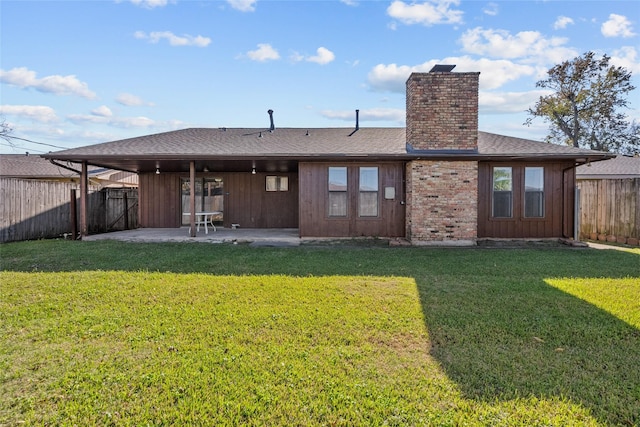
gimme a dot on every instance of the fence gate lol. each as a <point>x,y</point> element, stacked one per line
<point>120,208</point>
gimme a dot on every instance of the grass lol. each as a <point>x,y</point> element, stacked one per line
<point>109,333</point>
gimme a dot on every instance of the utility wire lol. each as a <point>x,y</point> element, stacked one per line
<point>33,142</point>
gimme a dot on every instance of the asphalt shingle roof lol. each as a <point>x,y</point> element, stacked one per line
<point>294,142</point>
<point>619,167</point>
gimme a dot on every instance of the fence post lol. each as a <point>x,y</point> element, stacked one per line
<point>73,216</point>
<point>125,201</point>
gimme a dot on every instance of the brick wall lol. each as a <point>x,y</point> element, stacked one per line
<point>442,202</point>
<point>442,111</point>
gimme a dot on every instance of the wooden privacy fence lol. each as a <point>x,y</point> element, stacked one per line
<point>35,209</point>
<point>610,210</point>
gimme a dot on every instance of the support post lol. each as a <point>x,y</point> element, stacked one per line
<point>192,197</point>
<point>125,201</point>
<point>73,214</point>
<point>84,195</point>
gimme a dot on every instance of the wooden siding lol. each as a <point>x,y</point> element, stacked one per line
<point>610,207</point>
<point>314,218</point>
<point>559,187</point>
<point>249,204</point>
<point>246,201</point>
<point>159,200</point>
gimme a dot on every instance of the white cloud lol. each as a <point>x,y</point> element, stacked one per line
<point>491,9</point>
<point>562,22</point>
<point>372,114</point>
<point>323,56</point>
<point>626,57</point>
<point>264,53</point>
<point>530,46</point>
<point>349,2</point>
<point>56,84</point>
<point>39,113</point>
<point>617,26</point>
<point>150,4</point>
<point>102,111</point>
<point>243,5</point>
<point>131,100</point>
<point>426,13</point>
<point>493,73</point>
<point>185,40</point>
<point>508,102</point>
<point>119,122</point>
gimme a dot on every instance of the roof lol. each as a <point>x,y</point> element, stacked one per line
<point>619,167</point>
<point>30,166</point>
<point>35,167</point>
<point>281,149</point>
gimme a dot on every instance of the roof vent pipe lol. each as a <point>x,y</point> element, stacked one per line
<point>272,127</point>
<point>357,119</point>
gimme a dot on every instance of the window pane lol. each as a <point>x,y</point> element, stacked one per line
<point>369,179</point>
<point>283,183</point>
<point>534,192</point>
<point>502,192</point>
<point>337,179</point>
<point>502,204</point>
<point>272,183</point>
<point>534,179</point>
<point>337,204</point>
<point>502,179</point>
<point>533,204</point>
<point>368,203</point>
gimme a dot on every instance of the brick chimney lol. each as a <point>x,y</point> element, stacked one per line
<point>442,110</point>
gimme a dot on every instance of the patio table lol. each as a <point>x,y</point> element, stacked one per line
<point>203,218</point>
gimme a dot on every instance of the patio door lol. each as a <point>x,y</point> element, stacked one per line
<point>209,197</point>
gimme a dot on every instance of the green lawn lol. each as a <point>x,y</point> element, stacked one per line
<point>109,333</point>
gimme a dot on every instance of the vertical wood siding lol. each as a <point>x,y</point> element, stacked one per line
<point>559,187</point>
<point>314,218</point>
<point>246,201</point>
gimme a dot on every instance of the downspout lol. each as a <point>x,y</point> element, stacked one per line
<point>65,167</point>
<point>576,231</point>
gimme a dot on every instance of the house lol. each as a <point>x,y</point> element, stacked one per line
<point>610,200</point>
<point>439,181</point>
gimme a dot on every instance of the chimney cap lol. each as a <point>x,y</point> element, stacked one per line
<point>442,68</point>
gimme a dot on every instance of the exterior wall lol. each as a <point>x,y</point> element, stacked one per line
<point>559,184</point>
<point>442,111</point>
<point>159,200</point>
<point>442,202</point>
<point>314,207</point>
<point>246,201</point>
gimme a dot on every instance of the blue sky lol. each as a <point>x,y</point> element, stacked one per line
<point>75,73</point>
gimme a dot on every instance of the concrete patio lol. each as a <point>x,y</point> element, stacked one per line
<point>253,236</point>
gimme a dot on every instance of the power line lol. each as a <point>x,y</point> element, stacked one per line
<point>33,142</point>
<point>21,148</point>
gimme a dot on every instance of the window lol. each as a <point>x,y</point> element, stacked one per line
<point>534,192</point>
<point>277,183</point>
<point>502,206</point>
<point>337,191</point>
<point>368,198</point>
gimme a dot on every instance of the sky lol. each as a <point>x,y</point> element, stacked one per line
<point>76,73</point>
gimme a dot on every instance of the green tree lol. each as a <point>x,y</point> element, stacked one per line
<point>585,106</point>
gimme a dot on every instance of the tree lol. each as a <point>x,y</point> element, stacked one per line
<point>5,130</point>
<point>584,109</point>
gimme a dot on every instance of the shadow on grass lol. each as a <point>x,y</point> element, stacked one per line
<point>520,338</point>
